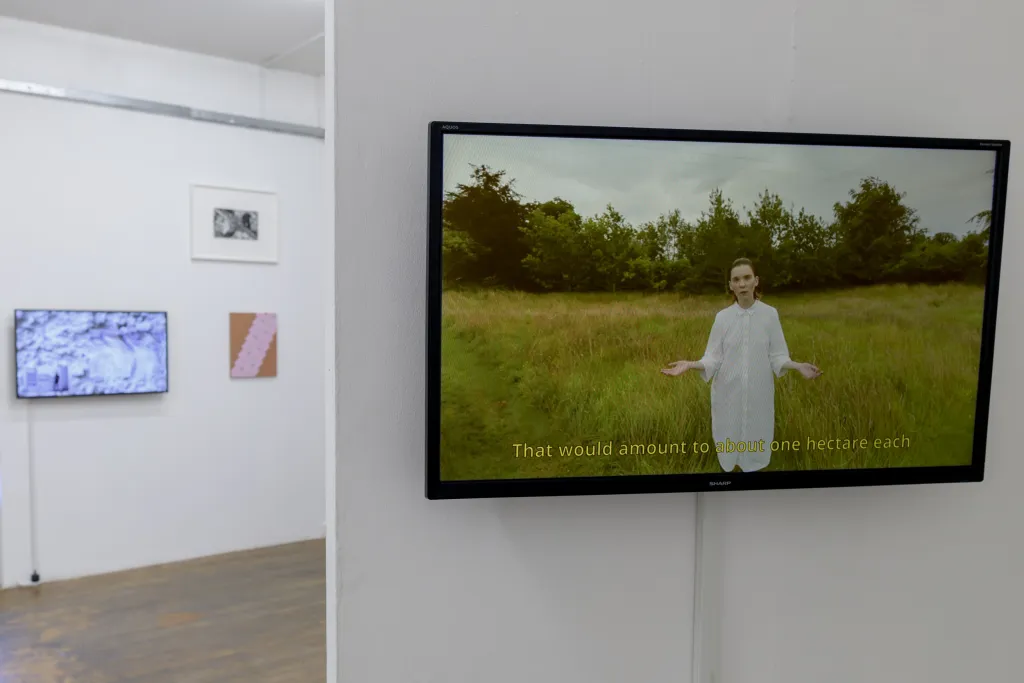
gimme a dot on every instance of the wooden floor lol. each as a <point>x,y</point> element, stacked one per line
<point>256,617</point>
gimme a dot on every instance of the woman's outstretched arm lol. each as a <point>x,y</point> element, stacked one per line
<point>806,369</point>
<point>778,353</point>
<point>709,363</point>
<point>681,366</point>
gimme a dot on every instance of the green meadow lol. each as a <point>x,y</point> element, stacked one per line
<point>900,362</point>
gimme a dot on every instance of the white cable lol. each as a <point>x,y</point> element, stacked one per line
<point>32,508</point>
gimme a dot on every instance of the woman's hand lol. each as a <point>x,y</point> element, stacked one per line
<point>677,368</point>
<point>809,371</point>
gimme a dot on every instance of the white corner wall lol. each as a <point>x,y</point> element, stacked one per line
<point>893,585</point>
<point>95,214</point>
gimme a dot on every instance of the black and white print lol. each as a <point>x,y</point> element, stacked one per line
<point>236,224</point>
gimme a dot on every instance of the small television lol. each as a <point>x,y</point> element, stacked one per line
<point>65,353</point>
<point>625,310</point>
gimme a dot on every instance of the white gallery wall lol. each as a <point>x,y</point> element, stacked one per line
<point>72,59</point>
<point>95,215</point>
<point>887,585</point>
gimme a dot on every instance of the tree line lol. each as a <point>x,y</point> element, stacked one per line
<point>493,238</point>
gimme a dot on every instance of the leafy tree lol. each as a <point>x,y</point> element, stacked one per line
<point>619,251</point>
<point>805,253</point>
<point>875,229</point>
<point>460,255</point>
<point>983,219</point>
<point>770,222</point>
<point>973,256</point>
<point>654,266</point>
<point>484,219</point>
<point>713,244</point>
<point>936,258</point>
<point>555,258</point>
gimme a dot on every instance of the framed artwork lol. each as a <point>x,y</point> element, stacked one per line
<point>253,339</point>
<point>234,225</point>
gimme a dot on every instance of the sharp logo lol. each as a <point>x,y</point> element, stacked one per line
<point>720,483</point>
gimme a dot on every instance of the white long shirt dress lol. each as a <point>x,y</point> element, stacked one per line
<point>746,351</point>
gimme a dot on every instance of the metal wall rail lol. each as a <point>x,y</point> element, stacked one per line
<point>158,108</point>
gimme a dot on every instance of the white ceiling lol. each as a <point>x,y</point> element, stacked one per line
<point>283,34</point>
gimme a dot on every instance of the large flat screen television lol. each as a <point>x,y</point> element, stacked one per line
<point>618,310</point>
<point>89,353</point>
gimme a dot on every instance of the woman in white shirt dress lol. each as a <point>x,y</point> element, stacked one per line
<point>746,351</point>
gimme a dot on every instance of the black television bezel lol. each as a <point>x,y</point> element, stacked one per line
<point>17,394</point>
<point>438,489</point>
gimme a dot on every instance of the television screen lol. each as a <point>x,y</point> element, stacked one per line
<point>86,353</point>
<point>630,310</point>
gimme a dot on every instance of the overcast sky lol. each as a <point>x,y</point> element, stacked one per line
<point>645,179</point>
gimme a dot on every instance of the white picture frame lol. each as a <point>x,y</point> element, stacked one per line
<point>229,224</point>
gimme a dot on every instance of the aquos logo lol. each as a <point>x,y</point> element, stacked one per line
<point>449,127</point>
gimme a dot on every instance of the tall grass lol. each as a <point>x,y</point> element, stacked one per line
<point>567,370</point>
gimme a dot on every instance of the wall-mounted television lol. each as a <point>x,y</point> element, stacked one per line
<point>88,353</point>
<point>622,310</point>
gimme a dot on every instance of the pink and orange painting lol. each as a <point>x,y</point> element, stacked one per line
<point>253,345</point>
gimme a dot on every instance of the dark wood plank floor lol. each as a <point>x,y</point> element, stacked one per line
<point>253,617</point>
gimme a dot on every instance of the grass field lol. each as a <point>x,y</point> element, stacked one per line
<point>568,370</point>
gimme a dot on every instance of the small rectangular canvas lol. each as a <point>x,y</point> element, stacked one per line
<point>253,345</point>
